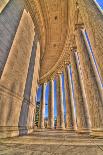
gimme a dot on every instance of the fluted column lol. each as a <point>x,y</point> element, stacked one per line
<point>42,107</point>
<point>60,108</point>
<point>93,20</point>
<point>90,85</point>
<point>83,124</point>
<point>51,105</point>
<point>24,113</point>
<point>74,126</point>
<point>69,114</point>
<point>13,79</point>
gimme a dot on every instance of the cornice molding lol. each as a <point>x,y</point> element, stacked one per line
<point>34,8</point>
<point>58,67</point>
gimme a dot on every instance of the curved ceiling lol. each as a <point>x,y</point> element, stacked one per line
<point>55,19</point>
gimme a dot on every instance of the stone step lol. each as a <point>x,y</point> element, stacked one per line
<point>31,139</point>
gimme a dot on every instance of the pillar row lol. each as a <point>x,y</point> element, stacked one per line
<point>93,97</point>
<point>83,123</point>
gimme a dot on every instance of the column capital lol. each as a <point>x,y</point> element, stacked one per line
<point>79,26</point>
<point>52,78</point>
<point>45,83</point>
<point>59,72</point>
<point>73,48</point>
<point>66,62</point>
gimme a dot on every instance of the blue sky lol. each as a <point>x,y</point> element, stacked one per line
<point>100,2</point>
<point>47,97</point>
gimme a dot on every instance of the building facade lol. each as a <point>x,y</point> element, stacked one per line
<point>39,41</point>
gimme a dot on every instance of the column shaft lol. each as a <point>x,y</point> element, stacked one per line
<point>51,106</point>
<point>27,92</point>
<point>82,117</point>
<point>72,97</point>
<point>15,72</point>
<point>92,17</point>
<point>69,118</point>
<point>42,107</point>
<point>90,85</point>
<point>60,108</point>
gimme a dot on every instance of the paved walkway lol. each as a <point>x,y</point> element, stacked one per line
<point>51,143</point>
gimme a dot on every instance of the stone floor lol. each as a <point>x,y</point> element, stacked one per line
<point>51,143</point>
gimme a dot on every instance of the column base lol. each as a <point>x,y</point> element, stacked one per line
<point>42,127</point>
<point>97,133</point>
<point>6,132</point>
<point>83,131</point>
<point>70,129</point>
<point>60,128</point>
<point>50,128</point>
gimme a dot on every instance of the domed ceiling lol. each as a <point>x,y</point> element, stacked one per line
<point>55,17</point>
<point>52,16</point>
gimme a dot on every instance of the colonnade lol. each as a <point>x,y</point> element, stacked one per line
<point>70,118</point>
<point>84,107</point>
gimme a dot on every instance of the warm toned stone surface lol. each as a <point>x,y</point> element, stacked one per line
<point>42,107</point>
<point>92,94</point>
<point>55,24</point>
<point>13,79</point>
<point>51,105</point>
<point>60,106</point>
<point>27,109</point>
<point>69,114</point>
<point>9,21</point>
<point>53,143</point>
<point>56,14</point>
<point>3,3</point>
<point>92,17</point>
<point>81,109</point>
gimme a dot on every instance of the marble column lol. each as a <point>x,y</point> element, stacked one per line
<point>93,21</point>
<point>93,97</point>
<point>10,10</point>
<point>60,108</point>
<point>72,97</point>
<point>13,79</point>
<point>26,103</point>
<point>42,107</point>
<point>69,114</point>
<point>83,123</point>
<point>51,105</point>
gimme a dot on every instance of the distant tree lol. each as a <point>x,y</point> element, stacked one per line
<point>55,122</point>
<point>37,113</point>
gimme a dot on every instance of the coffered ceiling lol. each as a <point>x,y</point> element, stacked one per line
<point>55,18</point>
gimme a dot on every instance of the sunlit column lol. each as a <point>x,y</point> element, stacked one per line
<point>74,126</point>
<point>93,97</point>
<point>69,114</point>
<point>51,105</point>
<point>93,21</point>
<point>42,106</point>
<point>60,108</point>
<point>93,62</point>
<point>83,123</point>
